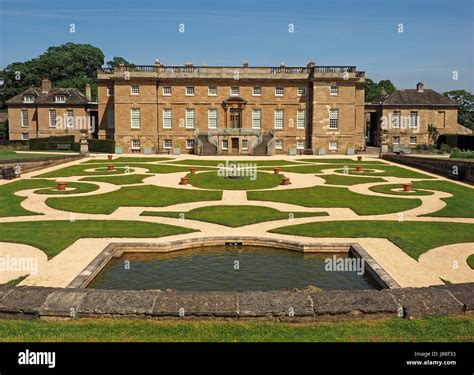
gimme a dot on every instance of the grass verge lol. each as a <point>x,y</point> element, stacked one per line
<point>435,329</point>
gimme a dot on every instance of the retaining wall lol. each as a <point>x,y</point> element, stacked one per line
<point>289,305</point>
<point>31,165</point>
<point>442,167</point>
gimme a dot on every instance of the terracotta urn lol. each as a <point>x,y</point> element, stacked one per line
<point>110,167</point>
<point>193,170</point>
<point>62,185</point>
<point>285,181</point>
<point>407,186</point>
<point>276,170</point>
<point>184,181</point>
<point>109,157</point>
<point>359,168</point>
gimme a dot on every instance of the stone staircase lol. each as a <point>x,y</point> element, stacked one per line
<point>207,147</point>
<point>261,149</point>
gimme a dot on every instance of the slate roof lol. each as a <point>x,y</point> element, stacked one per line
<point>73,96</point>
<point>416,98</point>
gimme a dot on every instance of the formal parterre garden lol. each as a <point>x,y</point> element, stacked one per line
<point>98,186</point>
<point>154,197</point>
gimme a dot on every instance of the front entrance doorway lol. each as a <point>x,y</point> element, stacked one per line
<point>235,118</point>
<point>235,145</point>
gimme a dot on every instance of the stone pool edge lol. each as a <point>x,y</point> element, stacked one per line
<point>30,302</point>
<point>116,249</point>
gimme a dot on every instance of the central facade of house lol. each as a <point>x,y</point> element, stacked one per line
<point>232,110</point>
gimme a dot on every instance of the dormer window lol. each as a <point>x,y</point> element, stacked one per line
<point>28,99</point>
<point>60,99</point>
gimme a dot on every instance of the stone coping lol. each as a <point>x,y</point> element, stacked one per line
<point>115,250</point>
<point>29,302</point>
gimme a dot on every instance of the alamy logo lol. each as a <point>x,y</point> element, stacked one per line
<point>232,169</point>
<point>37,358</point>
<point>345,265</point>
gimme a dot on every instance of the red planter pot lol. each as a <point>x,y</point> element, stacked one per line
<point>276,170</point>
<point>193,170</point>
<point>285,181</point>
<point>62,185</point>
<point>109,157</point>
<point>110,167</point>
<point>359,158</point>
<point>184,181</point>
<point>359,168</point>
<point>407,187</point>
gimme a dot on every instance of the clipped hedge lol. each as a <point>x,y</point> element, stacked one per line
<point>102,145</point>
<point>463,142</point>
<point>67,142</point>
<point>48,146</point>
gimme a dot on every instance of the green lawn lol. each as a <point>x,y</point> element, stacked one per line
<point>334,179</point>
<point>54,236</point>
<point>215,163</point>
<point>77,189</point>
<point>388,170</point>
<point>211,180</point>
<point>128,159</point>
<point>79,170</point>
<point>10,203</point>
<point>414,238</point>
<point>128,179</point>
<point>387,189</point>
<point>461,204</point>
<point>435,329</point>
<point>325,197</point>
<point>11,155</point>
<point>131,196</point>
<point>235,216</point>
<point>470,261</point>
<point>309,168</point>
<point>343,161</point>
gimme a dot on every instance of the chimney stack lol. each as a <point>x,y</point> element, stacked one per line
<point>420,87</point>
<point>45,85</point>
<point>88,92</point>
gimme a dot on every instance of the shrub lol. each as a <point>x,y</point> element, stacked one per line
<point>454,140</point>
<point>462,155</point>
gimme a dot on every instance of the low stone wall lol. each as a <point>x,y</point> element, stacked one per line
<point>31,165</point>
<point>292,305</point>
<point>442,167</point>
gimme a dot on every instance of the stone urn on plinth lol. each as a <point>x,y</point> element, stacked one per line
<point>84,144</point>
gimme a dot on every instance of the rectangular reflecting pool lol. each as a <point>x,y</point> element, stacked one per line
<point>230,268</point>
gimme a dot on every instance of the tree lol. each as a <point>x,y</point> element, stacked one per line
<point>69,64</point>
<point>118,60</point>
<point>373,91</point>
<point>466,110</point>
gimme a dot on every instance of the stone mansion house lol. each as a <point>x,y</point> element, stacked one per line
<point>248,110</point>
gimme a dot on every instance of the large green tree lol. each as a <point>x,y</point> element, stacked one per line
<point>466,109</point>
<point>118,60</point>
<point>67,65</point>
<point>373,90</point>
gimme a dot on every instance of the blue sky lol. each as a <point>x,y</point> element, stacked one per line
<point>437,38</point>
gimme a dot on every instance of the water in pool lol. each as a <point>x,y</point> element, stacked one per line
<point>227,268</point>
